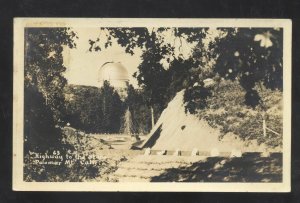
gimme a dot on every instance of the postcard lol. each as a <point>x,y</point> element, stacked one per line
<point>117,104</point>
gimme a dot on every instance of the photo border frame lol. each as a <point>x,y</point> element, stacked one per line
<point>18,108</point>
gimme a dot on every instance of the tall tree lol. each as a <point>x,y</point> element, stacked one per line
<point>112,108</point>
<point>139,110</point>
<point>94,110</point>
<point>44,82</point>
<point>40,132</point>
<point>44,66</point>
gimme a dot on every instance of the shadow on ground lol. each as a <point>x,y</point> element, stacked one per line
<point>249,168</point>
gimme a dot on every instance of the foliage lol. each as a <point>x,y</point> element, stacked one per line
<point>43,68</point>
<point>44,63</point>
<point>228,112</point>
<point>180,76</point>
<point>86,168</point>
<point>140,111</point>
<point>83,110</point>
<point>40,132</point>
<point>243,54</point>
<point>112,108</point>
<point>251,56</point>
<point>94,110</point>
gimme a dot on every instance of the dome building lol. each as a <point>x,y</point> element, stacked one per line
<point>116,74</point>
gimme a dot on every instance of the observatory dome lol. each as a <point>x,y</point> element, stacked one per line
<point>115,73</point>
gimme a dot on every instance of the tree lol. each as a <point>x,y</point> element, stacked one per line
<point>251,56</point>
<point>40,132</point>
<point>94,110</point>
<point>140,111</point>
<point>44,100</point>
<point>83,108</point>
<point>44,63</point>
<point>112,109</point>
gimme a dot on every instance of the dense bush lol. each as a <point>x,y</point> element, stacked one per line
<point>98,168</point>
<point>140,111</point>
<point>226,110</point>
<point>94,110</point>
<point>43,84</point>
<point>40,132</point>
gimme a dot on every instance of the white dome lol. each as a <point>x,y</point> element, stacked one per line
<point>115,73</point>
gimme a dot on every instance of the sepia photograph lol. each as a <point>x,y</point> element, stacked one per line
<point>152,104</point>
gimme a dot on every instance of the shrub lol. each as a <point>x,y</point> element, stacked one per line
<point>227,111</point>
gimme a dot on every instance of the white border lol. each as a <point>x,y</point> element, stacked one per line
<point>18,100</point>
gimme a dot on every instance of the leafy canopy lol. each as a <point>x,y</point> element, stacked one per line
<point>248,55</point>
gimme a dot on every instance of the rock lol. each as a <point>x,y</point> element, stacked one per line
<point>195,152</point>
<point>177,153</point>
<point>147,151</point>
<point>163,152</point>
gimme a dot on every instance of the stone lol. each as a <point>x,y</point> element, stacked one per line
<point>147,151</point>
<point>163,152</point>
<point>195,152</point>
<point>177,152</point>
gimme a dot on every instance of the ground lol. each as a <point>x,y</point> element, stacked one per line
<point>116,162</point>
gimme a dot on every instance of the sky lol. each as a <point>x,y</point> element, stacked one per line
<point>83,66</point>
